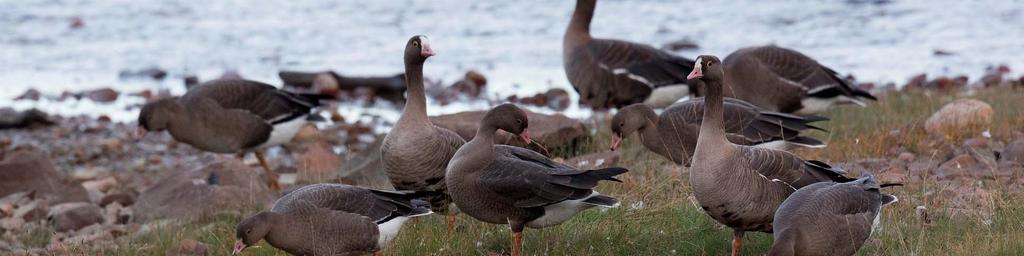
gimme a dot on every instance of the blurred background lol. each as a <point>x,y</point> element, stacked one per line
<point>55,46</point>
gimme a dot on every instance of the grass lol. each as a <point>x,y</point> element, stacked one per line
<point>659,217</point>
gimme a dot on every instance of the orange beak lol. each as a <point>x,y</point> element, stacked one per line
<point>239,247</point>
<point>526,137</point>
<point>616,140</point>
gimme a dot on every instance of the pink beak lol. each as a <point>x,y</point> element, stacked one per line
<point>526,137</point>
<point>696,73</point>
<point>616,140</point>
<point>427,52</point>
<point>239,246</point>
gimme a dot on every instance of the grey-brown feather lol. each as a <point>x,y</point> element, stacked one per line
<point>826,218</point>
<point>416,160</point>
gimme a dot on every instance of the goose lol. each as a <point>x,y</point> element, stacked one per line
<point>614,73</point>
<point>330,219</point>
<point>742,186</point>
<point>503,184</point>
<point>673,133</point>
<point>232,116</point>
<point>829,218</point>
<point>785,80</point>
<point>415,153</point>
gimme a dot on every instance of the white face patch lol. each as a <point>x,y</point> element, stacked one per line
<point>424,44</point>
<point>698,64</point>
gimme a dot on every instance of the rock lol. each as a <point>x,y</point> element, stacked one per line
<point>102,95</point>
<point>101,185</point>
<point>595,160</point>
<point>963,116</point>
<point>364,168</point>
<point>319,164</point>
<point>191,81</point>
<point>558,98</point>
<point>551,131</point>
<point>145,94</point>
<point>917,81</point>
<point>1014,152</point>
<point>188,247</point>
<point>941,52</point>
<point>29,169</point>
<point>151,72</point>
<point>111,145</point>
<point>30,94</point>
<point>326,83</point>
<point>31,211</point>
<point>230,75</point>
<point>76,23</point>
<point>89,173</point>
<point>32,118</point>
<point>74,216</point>
<point>906,157</point>
<point>681,44</point>
<point>220,186</point>
<point>121,198</point>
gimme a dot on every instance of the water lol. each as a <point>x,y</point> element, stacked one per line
<point>516,44</point>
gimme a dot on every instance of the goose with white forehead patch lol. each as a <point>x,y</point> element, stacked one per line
<point>742,186</point>
<point>415,153</point>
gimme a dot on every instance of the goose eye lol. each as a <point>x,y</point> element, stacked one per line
<point>417,44</point>
<point>248,231</point>
<point>622,124</point>
<point>519,121</point>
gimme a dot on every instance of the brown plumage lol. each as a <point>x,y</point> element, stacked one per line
<point>828,218</point>
<point>415,153</point>
<point>613,73</point>
<point>503,184</point>
<point>673,134</point>
<point>231,116</point>
<point>742,186</point>
<point>330,219</point>
<point>784,80</point>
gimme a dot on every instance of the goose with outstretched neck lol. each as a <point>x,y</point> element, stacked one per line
<point>232,116</point>
<point>415,153</point>
<point>614,73</point>
<point>331,219</point>
<point>503,184</point>
<point>673,133</point>
<point>829,218</point>
<point>742,186</point>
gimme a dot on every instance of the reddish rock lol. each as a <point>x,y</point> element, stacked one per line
<point>960,117</point>
<point>103,95</point>
<point>76,23</point>
<point>74,216</point>
<point>472,85</point>
<point>558,99</point>
<point>230,75</point>
<point>319,164</point>
<point>917,81</point>
<point>549,130</point>
<point>29,169</point>
<point>681,44</point>
<point>30,94</point>
<point>145,94</point>
<point>220,186</point>
<point>476,77</point>
<point>188,247</point>
<point>103,119</point>
<point>326,83</point>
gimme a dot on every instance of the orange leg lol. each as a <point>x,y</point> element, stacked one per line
<point>451,221</point>
<point>517,243</point>
<point>271,176</point>
<point>737,241</point>
<point>377,253</point>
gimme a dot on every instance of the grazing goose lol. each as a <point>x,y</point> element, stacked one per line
<point>613,73</point>
<point>330,219</point>
<point>504,184</point>
<point>415,153</point>
<point>742,186</point>
<point>231,116</point>
<point>828,218</point>
<point>784,80</point>
<point>673,134</point>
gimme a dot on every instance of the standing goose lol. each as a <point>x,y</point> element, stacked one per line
<point>742,186</point>
<point>415,153</point>
<point>613,73</point>
<point>330,219</point>
<point>231,116</point>
<point>504,184</point>
<point>828,218</point>
<point>785,80</point>
<point>673,134</point>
